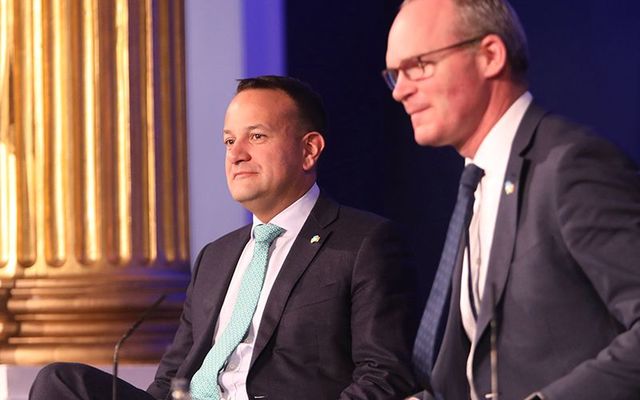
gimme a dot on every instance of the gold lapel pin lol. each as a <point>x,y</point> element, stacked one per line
<point>315,239</point>
<point>509,187</point>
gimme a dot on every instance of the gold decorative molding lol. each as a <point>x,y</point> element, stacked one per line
<point>93,177</point>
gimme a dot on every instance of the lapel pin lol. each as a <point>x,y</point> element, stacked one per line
<point>315,239</point>
<point>509,187</point>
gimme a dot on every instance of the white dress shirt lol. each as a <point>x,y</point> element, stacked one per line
<point>233,379</point>
<point>492,156</point>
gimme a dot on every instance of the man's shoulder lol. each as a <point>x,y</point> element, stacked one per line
<point>361,215</point>
<point>558,136</point>
<point>236,237</point>
<point>353,225</point>
<point>347,214</point>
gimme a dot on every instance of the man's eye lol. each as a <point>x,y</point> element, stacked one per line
<point>257,136</point>
<point>228,142</point>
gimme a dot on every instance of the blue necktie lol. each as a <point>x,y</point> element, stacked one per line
<point>204,384</point>
<point>426,347</point>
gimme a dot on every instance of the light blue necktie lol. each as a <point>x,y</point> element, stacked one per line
<point>426,345</point>
<point>204,384</point>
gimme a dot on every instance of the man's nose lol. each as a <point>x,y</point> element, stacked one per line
<point>237,152</point>
<point>403,89</point>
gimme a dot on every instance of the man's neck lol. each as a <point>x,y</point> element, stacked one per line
<point>502,97</point>
<point>268,211</point>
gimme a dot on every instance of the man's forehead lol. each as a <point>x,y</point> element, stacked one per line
<point>419,27</point>
<point>262,96</point>
<point>264,101</point>
<point>270,109</point>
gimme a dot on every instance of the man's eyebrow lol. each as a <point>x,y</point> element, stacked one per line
<point>248,128</point>
<point>257,126</point>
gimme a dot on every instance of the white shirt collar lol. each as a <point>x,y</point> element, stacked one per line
<point>494,151</point>
<point>293,217</point>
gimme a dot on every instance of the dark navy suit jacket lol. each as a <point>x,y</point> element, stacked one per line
<point>339,321</point>
<point>565,271</point>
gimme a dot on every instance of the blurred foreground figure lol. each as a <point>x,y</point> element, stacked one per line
<point>546,244</point>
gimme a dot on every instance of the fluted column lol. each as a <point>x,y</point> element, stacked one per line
<point>93,177</point>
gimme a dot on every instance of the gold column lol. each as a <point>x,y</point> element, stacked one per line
<point>93,177</point>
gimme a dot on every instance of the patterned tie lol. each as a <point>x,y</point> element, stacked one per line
<point>204,384</point>
<point>425,347</point>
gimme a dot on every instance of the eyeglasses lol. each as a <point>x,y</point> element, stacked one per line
<point>417,67</point>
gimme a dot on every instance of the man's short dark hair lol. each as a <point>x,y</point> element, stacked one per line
<point>310,109</point>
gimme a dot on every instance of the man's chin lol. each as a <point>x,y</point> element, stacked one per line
<point>243,196</point>
<point>424,137</point>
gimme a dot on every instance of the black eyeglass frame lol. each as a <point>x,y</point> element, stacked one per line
<point>390,75</point>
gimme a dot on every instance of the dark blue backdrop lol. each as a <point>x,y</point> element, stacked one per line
<point>585,64</point>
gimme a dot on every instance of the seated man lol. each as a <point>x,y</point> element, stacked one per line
<point>311,301</point>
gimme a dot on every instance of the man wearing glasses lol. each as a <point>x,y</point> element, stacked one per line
<point>541,261</point>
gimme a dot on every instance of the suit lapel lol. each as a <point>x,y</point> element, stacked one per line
<point>216,270</point>
<point>220,276</point>
<point>507,219</point>
<point>300,256</point>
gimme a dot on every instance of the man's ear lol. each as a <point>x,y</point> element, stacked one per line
<point>312,146</point>
<point>492,56</point>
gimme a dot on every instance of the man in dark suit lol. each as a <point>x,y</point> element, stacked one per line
<point>334,315</point>
<point>551,255</point>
